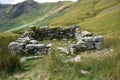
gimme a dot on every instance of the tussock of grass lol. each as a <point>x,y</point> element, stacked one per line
<point>8,62</point>
<point>6,38</point>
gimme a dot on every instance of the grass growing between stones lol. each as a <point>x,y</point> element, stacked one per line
<point>101,66</point>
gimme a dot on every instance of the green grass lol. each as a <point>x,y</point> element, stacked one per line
<point>6,38</point>
<point>90,16</point>
<point>82,11</point>
<point>101,66</point>
<point>31,15</point>
<point>8,63</point>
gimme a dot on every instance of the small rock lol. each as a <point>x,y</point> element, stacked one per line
<point>111,50</point>
<point>64,50</point>
<point>54,39</point>
<point>23,59</point>
<point>84,72</point>
<point>26,34</point>
<point>49,45</point>
<point>33,41</point>
<point>75,59</point>
<point>86,33</point>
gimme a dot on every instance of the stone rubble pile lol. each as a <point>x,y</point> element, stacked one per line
<point>86,41</point>
<point>28,45</point>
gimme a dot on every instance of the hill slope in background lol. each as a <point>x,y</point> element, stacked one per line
<point>23,14</point>
<point>90,14</point>
<point>97,15</point>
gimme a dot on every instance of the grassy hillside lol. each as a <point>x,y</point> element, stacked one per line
<point>21,15</point>
<point>84,10</point>
<point>102,66</point>
<point>98,16</point>
<point>57,14</point>
<point>8,62</point>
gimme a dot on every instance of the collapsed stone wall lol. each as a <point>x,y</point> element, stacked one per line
<point>28,42</point>
<point>53,33</point>
<point>86,41</point>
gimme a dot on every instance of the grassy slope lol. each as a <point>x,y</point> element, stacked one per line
<point>55,13</point>
<point>101,17</point>
<point>8,62</point>
<point>32,15</point>
<point>101,66</point>
<point>104,66</point>
<point>83,11</point>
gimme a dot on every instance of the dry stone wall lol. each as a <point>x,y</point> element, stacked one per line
<point>28,43</point>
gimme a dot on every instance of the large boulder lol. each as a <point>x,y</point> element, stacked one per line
<point>15,46</point>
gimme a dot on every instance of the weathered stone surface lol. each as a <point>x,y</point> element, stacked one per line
<point>23,40</point>
<point>72,49</point>
<point>84,72</point>
<point>34,46</point>
<point>49,45</point>
<point>80,41</point>
<point>86,33</point>
<point>64,50</point>
<point>99,38</point>
<point>26,34</point>
<point>86,42</point>
<point>29,44</point>
<point>93,39</point>
<point>75,59</point>
<point>33,41</point>
<point>89,39</point>
<point>16,46</point>
<point>98,45</point>
<point>38,48</point>
<point>90,45</point>
<point>53,33</point>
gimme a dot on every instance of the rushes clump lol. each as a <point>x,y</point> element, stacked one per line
<point>8,62</point>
